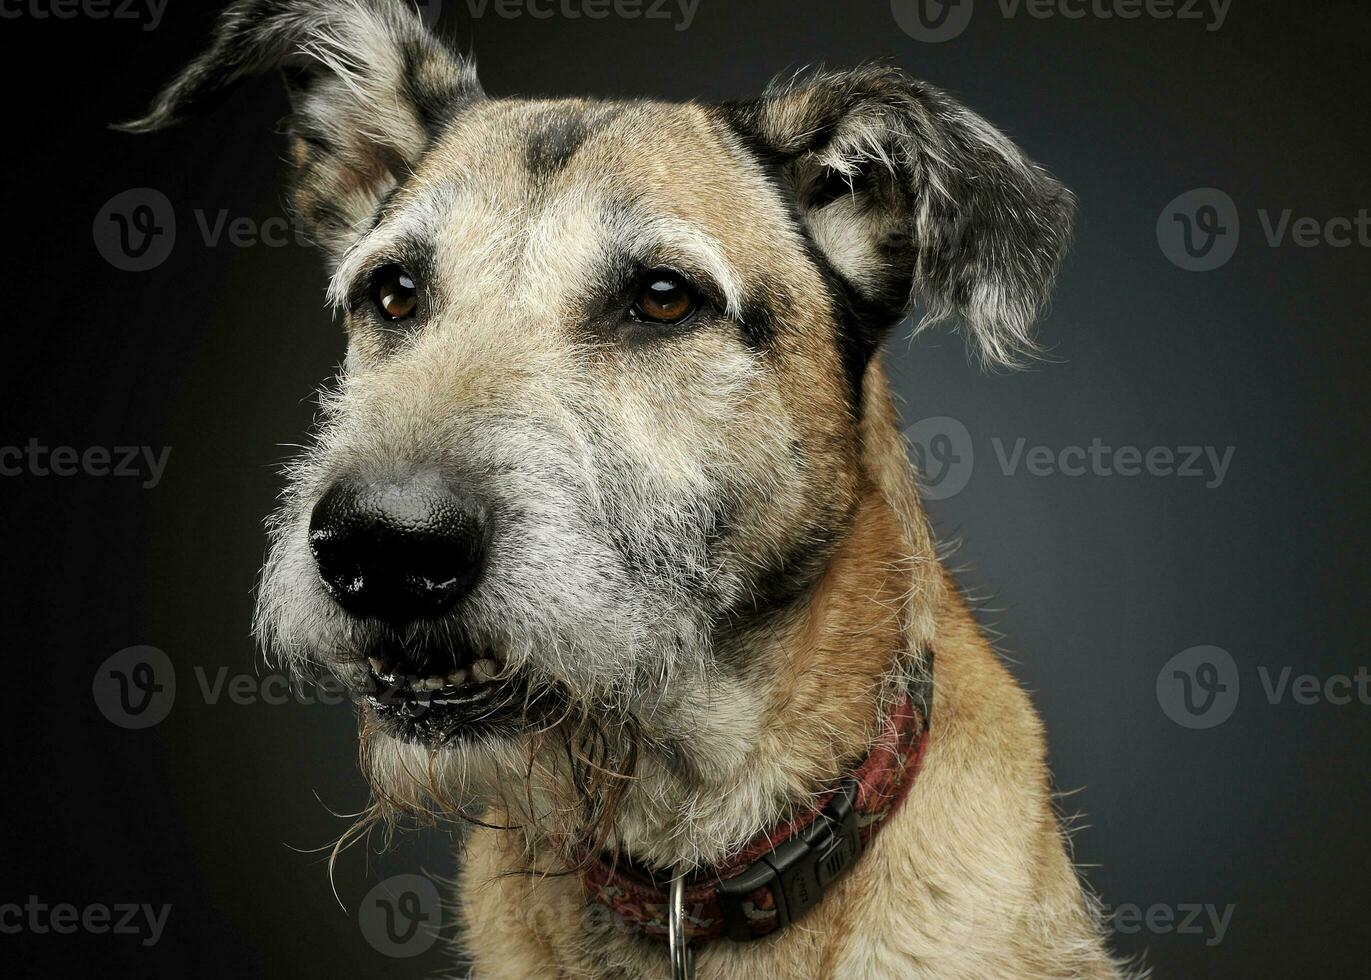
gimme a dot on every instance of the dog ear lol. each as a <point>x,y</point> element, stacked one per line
<point>369,86</point>
<point>908,195</point>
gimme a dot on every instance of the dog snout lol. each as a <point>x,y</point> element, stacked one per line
<point>398,550</point>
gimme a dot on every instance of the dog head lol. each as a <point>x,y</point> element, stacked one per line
<point>606,413</point>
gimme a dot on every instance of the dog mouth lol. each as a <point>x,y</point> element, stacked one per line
<point>439,698</point>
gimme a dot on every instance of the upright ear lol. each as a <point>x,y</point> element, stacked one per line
<point>907,195</point>
<point>369,86</point>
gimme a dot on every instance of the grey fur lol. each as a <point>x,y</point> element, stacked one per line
<point>370,86</point>
<point>951,211</point>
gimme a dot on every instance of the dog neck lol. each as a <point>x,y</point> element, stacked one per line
<point>820,684</point>
<point>817,684</point>
<point>785,871</point>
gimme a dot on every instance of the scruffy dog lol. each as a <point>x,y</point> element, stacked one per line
<point>611,526</point>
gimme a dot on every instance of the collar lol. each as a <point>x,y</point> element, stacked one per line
<point>784,872</point>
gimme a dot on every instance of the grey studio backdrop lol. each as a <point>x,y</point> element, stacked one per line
<point>1165,520</point>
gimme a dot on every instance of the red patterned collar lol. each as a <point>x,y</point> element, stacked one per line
<point>785,872</point>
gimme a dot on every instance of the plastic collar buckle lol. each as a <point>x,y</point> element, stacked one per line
<point>797,873</point>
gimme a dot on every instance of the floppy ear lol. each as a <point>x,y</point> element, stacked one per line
<point>369,85</point>
<point>907,195</point>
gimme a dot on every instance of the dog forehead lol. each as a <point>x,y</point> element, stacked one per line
<point>536,169</point>
<point>526,146</point>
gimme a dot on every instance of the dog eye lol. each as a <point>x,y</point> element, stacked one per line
<point>664,296</point>
<point>394,293</point>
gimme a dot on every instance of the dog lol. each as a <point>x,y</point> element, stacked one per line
<point>609,523</point>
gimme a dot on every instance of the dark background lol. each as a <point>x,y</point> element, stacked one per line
<point>1095,582</point>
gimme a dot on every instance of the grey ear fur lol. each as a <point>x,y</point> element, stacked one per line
<point>911,196</point>
<point>369,84</point>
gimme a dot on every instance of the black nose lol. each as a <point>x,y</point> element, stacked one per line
<point>399,551</point>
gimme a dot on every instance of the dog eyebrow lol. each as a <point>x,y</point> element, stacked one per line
<point>668,240</point>
<point>349,283</point>
<point>399,232</point>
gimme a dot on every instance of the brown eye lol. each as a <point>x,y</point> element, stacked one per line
<point>394,292</point>
<point>664,297</point>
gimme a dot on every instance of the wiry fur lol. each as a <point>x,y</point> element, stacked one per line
<point>937,200</point>
<point>708,566</point>
<point>369,86</point>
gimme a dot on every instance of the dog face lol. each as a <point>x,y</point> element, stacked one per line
<point>599,423</point>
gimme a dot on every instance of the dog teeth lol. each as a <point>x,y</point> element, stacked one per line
<point>457,678</point>
<point>481,672</point>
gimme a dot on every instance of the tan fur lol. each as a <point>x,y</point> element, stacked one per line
<point>970,879</point>
<point>705,566</point>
